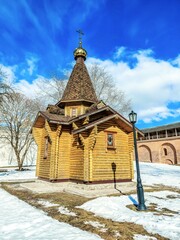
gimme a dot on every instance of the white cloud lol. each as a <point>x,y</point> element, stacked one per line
<point>177,61</point>
<point>120,51</point>
<point>31,62</point>
<point>41,88</point>
<point>31,90</point>
<point>158,113</point>
<point>151,84</point>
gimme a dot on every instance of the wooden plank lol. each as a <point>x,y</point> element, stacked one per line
<point>103,158</point>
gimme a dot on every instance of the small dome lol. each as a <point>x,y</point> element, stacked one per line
<point>80,52</point>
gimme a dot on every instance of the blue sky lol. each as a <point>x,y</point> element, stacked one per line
<point>137,41</point>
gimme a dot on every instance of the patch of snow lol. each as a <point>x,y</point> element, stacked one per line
<point>97,225</point>
<point>103,229</point>
<point>163,201</point>
<point>47,203</point>
<point>22,221</point>
<point>115,208</point>
<point>12,175</point>
<point>143,237</point>
<point>156,173</point>
<point>117,234</point>
<point>65,211</point>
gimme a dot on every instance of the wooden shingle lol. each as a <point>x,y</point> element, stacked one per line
<point>79,86</point>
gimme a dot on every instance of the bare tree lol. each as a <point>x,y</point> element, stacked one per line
<point>107,90</point>
<point>16,117</point>
<point>51,90</point>
<point>5,89</point>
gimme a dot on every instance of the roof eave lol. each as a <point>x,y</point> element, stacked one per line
<point>58,122</point>
<point>88,114</point>
<point>90,125</point>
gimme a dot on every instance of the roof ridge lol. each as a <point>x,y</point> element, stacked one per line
<point>163,126</point>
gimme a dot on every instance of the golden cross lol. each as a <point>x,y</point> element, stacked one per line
<point>80,36</point>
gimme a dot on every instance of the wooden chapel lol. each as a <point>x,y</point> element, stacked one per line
<point>81,138</point>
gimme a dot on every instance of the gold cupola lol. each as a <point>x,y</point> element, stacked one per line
<point>80,51</point>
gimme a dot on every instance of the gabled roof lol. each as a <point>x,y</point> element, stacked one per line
<point>121,121</point>
<point>90,125</point>
<point>51,117</point>
<point>79,86</point>
<point>55,117</point>
<point>95,110</point>
<point>64,120</point>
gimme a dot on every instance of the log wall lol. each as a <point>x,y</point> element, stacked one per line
<point>77,158</point>
<point>51,130</point>
<point>42,164</point>
<point>84,156</point>
<point>104,159</point>
<point>64,146</point>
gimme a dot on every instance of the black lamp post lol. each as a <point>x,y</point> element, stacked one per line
<point>140,191</point>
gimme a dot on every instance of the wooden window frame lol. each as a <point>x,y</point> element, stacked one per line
<point>113,146</point>
<point>74,109</point>
<point>46,147</point>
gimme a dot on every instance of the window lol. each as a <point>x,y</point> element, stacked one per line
<point>110,140</point>
<point>165,151</point>
<point>46,147</point>
<point>74,112</point>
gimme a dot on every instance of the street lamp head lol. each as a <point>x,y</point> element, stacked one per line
<point>133,117</point>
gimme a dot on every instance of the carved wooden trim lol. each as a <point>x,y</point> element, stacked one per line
<point>74,126</point>
<point>81,139</point>
<point>86,120</point>
<point>95,131</point>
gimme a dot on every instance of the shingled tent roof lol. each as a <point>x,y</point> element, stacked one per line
<point>79,86</point>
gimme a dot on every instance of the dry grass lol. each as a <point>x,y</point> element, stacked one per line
<point>114,230</point>
<point>163,188</point>
<point>153,208</point>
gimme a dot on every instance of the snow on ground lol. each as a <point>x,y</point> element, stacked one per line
<point>65,211</point>
<point>61,209</point>
<point>47,203</point>
<point>142,237</point>
<point>156,173</point>
<point>21,221</point>
<point>97,225</point>
<point>151,174</point>
<point>18,220</point>
<point>13,174</point>
<point>115,208</point>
